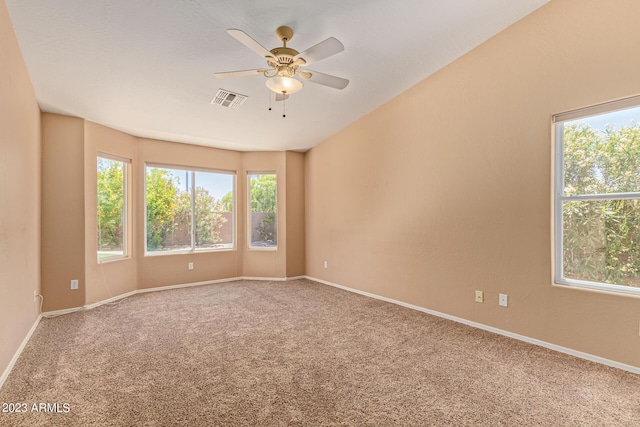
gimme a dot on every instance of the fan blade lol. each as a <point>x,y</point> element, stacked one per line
<point>281,97</point>
<point>231,74</point>
<point>246,40</point>
<point>325,79</point>
<point>322,50</point>
<point>300,62</point>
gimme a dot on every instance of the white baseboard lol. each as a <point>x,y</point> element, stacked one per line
<point>571,352</point>
<point>265,279</point>
<point>13,361</point>
<point>273,279</point>
<point>107,301</point>
<point>56,313</point>
<point>187,285</point>
<point>162,288</point>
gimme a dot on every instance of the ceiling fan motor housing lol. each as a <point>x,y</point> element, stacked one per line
<point>284,54</point>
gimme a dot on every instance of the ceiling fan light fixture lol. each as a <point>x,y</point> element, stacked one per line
<point>284,85</point>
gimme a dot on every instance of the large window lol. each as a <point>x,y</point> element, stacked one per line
<point>263,212</point>
<point>597,197</point>
<point>188,210</point>
<point>112,207</point>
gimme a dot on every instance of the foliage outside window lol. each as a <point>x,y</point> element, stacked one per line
<point>112,208</point>
<point>263,216</point>
<point>597,199</point>
<point>188,210</point>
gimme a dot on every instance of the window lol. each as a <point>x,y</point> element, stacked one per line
<point>263,215</point>
<point>112,207</point>
<point>597,197</point>
<point>188,210</point>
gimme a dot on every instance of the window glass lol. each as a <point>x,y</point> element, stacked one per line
<point>188,210</point>
<point>111,209</point>
<point>597,201</point>
<point>263,215</point>
<point>213,210</point>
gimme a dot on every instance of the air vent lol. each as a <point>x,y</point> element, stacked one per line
<point>227,99</point>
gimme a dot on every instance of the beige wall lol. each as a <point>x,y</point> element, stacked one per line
<point>164,270</point>
<point>70,148</point>
<point>295,213</point>
<point>447,188</point>
<point>63,212</point>
<point>19,196</point>
<point>107,279</point>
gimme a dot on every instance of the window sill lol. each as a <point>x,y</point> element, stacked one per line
<point>263,248</point>
<point>188,252</point>
<point>113,259</point>
<point>603,288</point>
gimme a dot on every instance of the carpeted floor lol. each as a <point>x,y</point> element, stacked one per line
<point>298,353</point>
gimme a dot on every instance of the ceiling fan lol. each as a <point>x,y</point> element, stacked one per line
<point>285,63</point>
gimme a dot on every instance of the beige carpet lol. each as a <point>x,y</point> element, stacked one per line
<point>299,353</point>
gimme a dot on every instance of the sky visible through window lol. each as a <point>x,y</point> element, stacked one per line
<point>617,119</point>
<point>218,184</point>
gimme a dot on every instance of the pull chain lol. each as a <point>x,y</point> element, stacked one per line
<point>269,95</point>
<point>283,108</point>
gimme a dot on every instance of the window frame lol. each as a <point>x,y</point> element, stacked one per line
<point>126,171</point>
<point>250,246</point>
<point>191,170</point>
<point>558,121</point>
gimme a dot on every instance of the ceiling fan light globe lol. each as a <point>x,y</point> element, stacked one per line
<point>284,85</point>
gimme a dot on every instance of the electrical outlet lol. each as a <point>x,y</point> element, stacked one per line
<point>326,264</point>
<point>503,300</point>
<point>190,266</point>
<point>479,296</point>
<point>74,284</point>
<point>35,294</point>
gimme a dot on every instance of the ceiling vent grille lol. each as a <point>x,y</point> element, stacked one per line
<point>227,99</point>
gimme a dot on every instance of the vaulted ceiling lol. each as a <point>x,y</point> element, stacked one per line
<point>146,67</point>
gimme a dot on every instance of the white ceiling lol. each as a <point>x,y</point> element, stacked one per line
<point>146,66</point>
